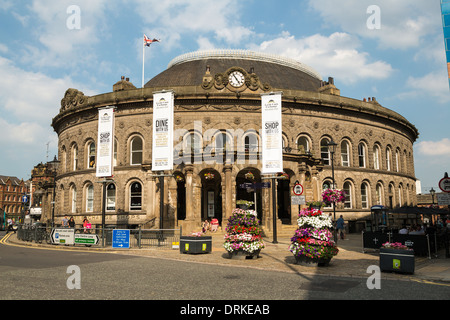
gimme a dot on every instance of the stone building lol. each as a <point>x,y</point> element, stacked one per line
<point>217,119</point>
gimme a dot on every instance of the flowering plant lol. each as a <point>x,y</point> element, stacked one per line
<point>243,232</point>
<point>333,195</point>
<point>209,176</point>
<point>283,175</point>
<point>249,176</point>
<point>197,234</point>
<point>245,202</point>
<point>313,237</point>
<point>179,178</point>
<point>395,245</point>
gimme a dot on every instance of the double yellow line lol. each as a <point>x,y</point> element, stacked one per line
<point>5,238</point>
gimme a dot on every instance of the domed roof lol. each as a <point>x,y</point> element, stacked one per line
<point>279,72</point>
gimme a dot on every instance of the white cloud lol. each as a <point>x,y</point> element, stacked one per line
<point>181,18</point>
<point>336,55</point>
<point>434,148</point>
<point>433,84</point>
<point>62,46</point>
<point>29,96</point>
<point>404,23</point>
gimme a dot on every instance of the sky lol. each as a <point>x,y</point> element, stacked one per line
<point>391,50</point>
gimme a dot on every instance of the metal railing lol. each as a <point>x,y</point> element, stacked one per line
<point>139,238</point>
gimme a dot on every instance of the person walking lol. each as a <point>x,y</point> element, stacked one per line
<point>340,227</point>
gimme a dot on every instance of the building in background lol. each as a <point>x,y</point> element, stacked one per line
<point>12,189</point>
<point>217,142</point>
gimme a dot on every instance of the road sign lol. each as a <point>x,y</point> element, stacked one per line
<point>444,184</point>
<point>443,199</point>
<point>63,236</point>
<point>121,238</point>
<point>24,198</point>
<point>255,185</point>
<point>298,200</point>
<point>297,189</point>
<point>86,238</point>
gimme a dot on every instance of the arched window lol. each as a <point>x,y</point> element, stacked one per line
<point>303,145</point>
<point>91,155</point>
<point>135,196</point>
<point>397,161</point>
<point>376,157</point>
<point>348,195</point>
<point>324,151</point>
<point>192,143</point>
<point>388,159</point>
<point>90,198</point>
<point>222,142</point>
<point>251,142</point>
<point>136,147</point>
<point>111,197</point>
<point>73,200</point>
<point>364,195</point>
<point>362,155</point>
<point>379,191</point>
<point>345,154</point>
<point>115,153</point>
<point>327,184</point>
<point>74,157</point>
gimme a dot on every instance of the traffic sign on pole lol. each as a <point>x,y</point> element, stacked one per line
<point>444,184</point>
<point>121,238</point>
<point>297,189</point>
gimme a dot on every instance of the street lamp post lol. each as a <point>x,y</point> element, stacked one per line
<point>53,166</point>
<point>432,192</point>
<point>332,149</point>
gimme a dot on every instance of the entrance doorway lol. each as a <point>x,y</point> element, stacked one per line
<point>181,195</point>
<point>283,201</point>
<point>211,195</point>
<point>250,175</point>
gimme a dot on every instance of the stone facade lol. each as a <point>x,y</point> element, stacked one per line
<point>373,161</point>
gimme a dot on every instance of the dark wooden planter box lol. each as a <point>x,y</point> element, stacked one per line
<point>395,260</point>
<point>195,244</point>
<point>310,262</point>
<point>241,254</point>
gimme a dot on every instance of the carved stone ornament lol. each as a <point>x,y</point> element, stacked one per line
<point>221,81</point>
<point>72,99</point>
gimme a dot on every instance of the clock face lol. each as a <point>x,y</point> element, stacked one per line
<point>236,79</point>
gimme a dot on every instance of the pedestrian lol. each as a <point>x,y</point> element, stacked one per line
<point>86,225</point>
<point>71,223</point>
<point>340,227</point>
<point>205,226</point>
<point>65,222</point>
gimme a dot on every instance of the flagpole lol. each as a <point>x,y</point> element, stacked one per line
<point>143,61</point>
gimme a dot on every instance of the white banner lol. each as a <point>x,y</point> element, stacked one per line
<point>272,143</point>
<point>105,142</point>
<point>162,151</point>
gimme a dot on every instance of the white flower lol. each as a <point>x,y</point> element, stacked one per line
<point>318,222</point>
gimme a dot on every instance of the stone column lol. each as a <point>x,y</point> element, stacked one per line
<point>226,212</point>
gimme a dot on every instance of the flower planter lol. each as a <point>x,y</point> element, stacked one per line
<point>397,260</point>
<point>195,245</point>
<point>241,254</point>
<point>312,262</point>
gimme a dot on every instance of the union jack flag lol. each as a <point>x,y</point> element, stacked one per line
<point>148,41</point>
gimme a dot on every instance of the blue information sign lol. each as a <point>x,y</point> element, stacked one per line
<point>121,238</point>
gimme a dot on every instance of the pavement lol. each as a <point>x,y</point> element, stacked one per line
<point>351,261</point>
